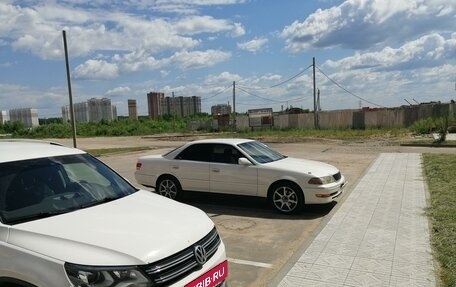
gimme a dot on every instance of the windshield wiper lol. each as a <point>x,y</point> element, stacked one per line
<point>104,200</point>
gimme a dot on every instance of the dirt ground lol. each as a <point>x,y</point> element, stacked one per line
<point>259,241</point>
<point>166,141</point>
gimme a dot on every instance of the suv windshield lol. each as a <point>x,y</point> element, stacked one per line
<point>38,188</point>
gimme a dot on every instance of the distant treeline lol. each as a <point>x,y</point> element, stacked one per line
<point>123,126</point>
<point>55,128</point>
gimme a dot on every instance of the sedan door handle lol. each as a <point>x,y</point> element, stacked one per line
<point>215,170</point>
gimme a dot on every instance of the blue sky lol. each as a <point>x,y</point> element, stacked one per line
<point>377,53</point>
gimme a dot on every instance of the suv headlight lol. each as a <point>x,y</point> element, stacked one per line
<point>95,276</point>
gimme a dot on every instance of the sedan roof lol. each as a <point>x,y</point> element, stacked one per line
<point>232,141</point>
<point>16,150</point>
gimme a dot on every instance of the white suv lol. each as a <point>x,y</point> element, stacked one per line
<point>66,219</point>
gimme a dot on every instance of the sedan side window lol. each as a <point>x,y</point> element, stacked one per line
<point>196,152</point>
<point>225,154</point>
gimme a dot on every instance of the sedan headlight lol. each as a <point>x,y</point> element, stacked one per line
<point>94,276</point>
<point>321,180</point>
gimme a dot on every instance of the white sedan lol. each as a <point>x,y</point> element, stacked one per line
<point>242,167</point>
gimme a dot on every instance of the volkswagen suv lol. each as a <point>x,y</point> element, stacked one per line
<point>66,219</point>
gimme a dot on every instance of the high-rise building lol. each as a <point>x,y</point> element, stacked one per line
<point>4,117</point>
<point>181,106</point>
<point>132,110</point>
<point>153,104</point>
<point>101,109</point>
<point>81,112</point>
<point>29,117</point>
<point>94,110</point>
<point>159,105</point>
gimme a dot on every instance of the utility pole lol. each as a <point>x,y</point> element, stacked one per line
<point>234,105</point>
<point>174,113</point>
<point>315,95</point>
<point>73,122</point>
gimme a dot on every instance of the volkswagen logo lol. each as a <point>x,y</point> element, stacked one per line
<point>200,254</point>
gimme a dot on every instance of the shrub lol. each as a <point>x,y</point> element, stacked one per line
<point>422,127</point>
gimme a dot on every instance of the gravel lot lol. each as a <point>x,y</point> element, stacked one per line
<point>259,241</point>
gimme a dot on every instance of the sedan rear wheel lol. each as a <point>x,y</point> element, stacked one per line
<point>286,198</point>
<point>169,187</point>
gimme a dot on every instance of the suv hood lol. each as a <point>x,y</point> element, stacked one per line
<point>137,229</point>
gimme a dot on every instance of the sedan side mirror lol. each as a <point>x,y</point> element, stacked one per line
<point>244,161</point>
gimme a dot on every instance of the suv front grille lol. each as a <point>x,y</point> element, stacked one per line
<point>337,176</point>
<point>179,265</point>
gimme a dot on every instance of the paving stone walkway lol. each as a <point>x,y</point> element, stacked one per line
<point>378,237</point>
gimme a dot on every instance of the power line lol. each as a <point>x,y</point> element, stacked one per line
<point>295,76</point>
<point>221,92</point>
<point>337,84</point>
<point>256,96</point>
<point>213,96</point>
<point>281,83</point>
<point>275,101</point>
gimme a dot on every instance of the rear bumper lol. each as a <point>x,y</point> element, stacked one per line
<point>145,179</point>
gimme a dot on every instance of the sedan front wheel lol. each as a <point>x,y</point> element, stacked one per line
<point>286,198</point>
<point>168,187</point>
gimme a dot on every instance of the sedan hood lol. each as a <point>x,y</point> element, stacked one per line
<point>311,167</point>
<point>137,229</point>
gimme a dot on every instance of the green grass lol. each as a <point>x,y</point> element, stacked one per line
<point>340,134</point>
<point>429,143</point>
<point>440,173</point>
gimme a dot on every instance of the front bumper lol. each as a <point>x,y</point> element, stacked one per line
<point>326,193</point>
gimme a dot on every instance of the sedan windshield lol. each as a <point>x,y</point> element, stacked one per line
<point>260,152</point>
<point>44,187</point>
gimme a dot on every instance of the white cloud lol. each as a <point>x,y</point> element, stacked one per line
<point>185,6</point>
<point>96,70</point>
<point>137,39</point>
<point>238,30</point>
<point>198,59</point>
<point>118,92</point>
<point>386,88</point>
<point>222,79</point>
<point>201,24</point>
<point>271,78</point>
<point>164,73</point>
<point>427,51</point>
<point>253,45</point>
<point>362,24</point>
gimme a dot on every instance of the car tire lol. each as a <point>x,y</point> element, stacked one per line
<point>286,197</point>
<point>169,187</point>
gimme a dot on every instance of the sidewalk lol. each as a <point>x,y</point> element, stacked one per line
<point>378,237</point>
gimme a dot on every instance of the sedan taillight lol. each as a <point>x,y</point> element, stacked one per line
<point>138,165</point>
